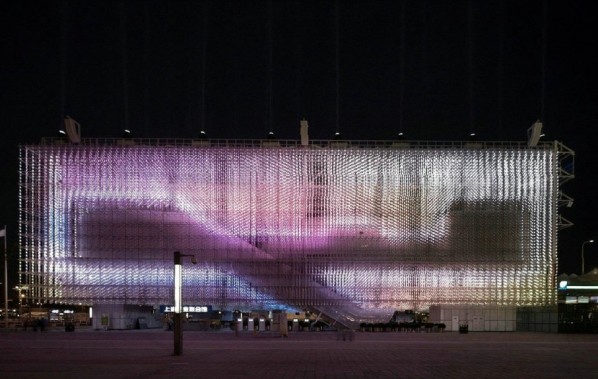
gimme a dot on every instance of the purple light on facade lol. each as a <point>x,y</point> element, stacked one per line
<point>357,231</point>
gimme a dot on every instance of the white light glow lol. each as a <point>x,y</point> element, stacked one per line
<point>178,280</point>
<point>582,287</point>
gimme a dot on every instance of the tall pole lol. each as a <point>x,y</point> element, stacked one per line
<point>178,301</point>
<point>5,279</point>
<point>178,333</point>
<point>582,258</point>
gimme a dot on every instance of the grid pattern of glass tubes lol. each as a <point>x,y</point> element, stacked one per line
<point>350,232</point>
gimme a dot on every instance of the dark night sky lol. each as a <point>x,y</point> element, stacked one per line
<point>435,70</point>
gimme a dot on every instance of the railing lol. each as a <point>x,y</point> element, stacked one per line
<point>268,143</point>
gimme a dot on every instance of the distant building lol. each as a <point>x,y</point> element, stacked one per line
<point>352,233</point>
<point>578,303</point>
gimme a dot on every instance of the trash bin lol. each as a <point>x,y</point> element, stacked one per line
<point>463,329</point>
<point>69,327</point>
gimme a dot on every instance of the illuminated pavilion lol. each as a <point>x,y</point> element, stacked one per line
<point>352,230</point>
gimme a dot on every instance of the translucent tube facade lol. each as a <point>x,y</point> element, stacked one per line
<point>353,232</point>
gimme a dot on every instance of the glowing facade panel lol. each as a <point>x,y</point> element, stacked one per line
<point>352,232</point>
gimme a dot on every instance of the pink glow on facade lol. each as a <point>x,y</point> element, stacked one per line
<point>358,231</point>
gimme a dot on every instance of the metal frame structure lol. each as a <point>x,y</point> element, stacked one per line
<point>351,229</point>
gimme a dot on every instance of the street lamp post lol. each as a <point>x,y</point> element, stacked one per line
<point>3,234</point>
<point>178,301</point>
<point>20,290</point>
<point>582,258</point>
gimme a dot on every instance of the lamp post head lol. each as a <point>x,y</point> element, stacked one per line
<point>178,255</point>
<point>582,253</point>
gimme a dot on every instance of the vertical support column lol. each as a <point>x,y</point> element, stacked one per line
<point>3,234</point>
<point>178,333</point>
<point>178,301</point>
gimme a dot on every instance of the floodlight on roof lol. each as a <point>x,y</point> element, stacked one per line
<point>303,127</point>
<point>534,133</point>
<point>73,129</point>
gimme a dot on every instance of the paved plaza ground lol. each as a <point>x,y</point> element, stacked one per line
<point>148,354</point>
